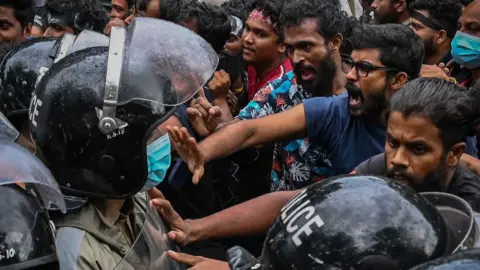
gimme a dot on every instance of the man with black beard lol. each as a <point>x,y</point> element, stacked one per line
<point>348,127</point>
<point>435,21</point>
<point>429,121</point>
<point>313,40</point>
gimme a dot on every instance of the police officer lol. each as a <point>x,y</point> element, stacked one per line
<point>96,110</point>
<point>354,222</point>
<point>24,66</point>
<point>27,191</point>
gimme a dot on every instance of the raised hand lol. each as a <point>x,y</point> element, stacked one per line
<point>220,84</point>
<point>203,116</point>
<point>187,148</point>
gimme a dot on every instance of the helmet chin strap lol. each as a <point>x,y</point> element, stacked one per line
<point>108,122</point>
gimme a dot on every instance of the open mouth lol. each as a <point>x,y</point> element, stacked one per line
<point>355,101</point>
<point>308,75</point>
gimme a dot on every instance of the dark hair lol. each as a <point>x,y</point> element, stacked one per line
<point>272,9</point>
<point>331,20</point>
<point>448,106</point>
<point>466,2</point>
<point>445,12</point>
<point>214,25</point>
<point>90,11</point>
<point>400,48</point>
<point>239,8</point>
<point>23,10</point>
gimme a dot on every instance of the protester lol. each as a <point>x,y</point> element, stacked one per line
<point>390,11</point>
<point>17,18</point>
<point>429,121</point>
<point>338,222</point>
<point>121,9</point>
<point>465,46</point>
<point>436,23</point>
<point>347,127</point>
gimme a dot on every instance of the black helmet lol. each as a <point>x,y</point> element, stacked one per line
<point>27,191</point>
<point>357,222</point>
<point>96,108</point>
<point>19,72</point>
<point>25,64</point>
<point>26,236</point>
<point>465,260</point>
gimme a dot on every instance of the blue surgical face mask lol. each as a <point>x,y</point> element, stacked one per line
<point>466,50</point>
<point>158,158</point>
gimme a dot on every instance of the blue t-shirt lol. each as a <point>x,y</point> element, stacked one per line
<point>347,140</point>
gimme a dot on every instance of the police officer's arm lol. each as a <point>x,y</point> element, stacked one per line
<point>249,218</point>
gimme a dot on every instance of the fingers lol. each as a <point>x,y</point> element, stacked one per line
<point>185,258</point>
<point>193,113</point>
<point>165,208</point>
<point>215,111</point>
<point>201,93</point>
<point>154,193</point>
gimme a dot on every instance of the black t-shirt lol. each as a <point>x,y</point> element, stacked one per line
<point>465,184</point>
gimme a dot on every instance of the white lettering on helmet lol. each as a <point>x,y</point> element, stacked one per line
<point>35,104</point>
<point>41,72</point>
<point>300,207</point>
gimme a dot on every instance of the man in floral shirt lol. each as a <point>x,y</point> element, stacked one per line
<point>298,163</point>
<point>295,163</point>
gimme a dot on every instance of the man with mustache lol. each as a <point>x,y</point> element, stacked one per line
<point>348,127</point>
<point>429,121</point>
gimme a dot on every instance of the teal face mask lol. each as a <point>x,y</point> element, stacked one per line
<point>466,50</point>
<point>159,158</point>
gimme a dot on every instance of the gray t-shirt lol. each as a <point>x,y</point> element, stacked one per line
<point>465,184</point>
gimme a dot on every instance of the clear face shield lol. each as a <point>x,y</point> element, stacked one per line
<point>7,131</point>
<point>162,69</point>
<point>459,217</point>
<point>149,250</point>
<point>19,166</point>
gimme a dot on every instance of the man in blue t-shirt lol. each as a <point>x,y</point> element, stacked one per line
<point>347,126</point>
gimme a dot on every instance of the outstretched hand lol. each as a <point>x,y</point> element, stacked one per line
<point>197,262</point>
<point>179,229</point>
<point>187,148</point>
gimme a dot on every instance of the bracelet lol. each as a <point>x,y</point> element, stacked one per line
<point>238,90</point>
<point>453,80</point>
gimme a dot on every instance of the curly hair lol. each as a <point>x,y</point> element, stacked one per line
<point>446,12</point>
<point>23,10</point>
<point>272,9</point>
<point>331,20</point>
<point>86,8</point>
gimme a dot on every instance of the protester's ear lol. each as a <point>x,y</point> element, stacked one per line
<point>441,37</point>
<point>401,6</point>
<point>282,48</point>
<point>454,156</point>
<point>398,81</point>
<point>336,42</point>
<point>27,30</point>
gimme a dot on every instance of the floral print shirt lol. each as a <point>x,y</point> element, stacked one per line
<point>298,163</point>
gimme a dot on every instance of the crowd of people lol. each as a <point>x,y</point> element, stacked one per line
<point>240,134</point>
